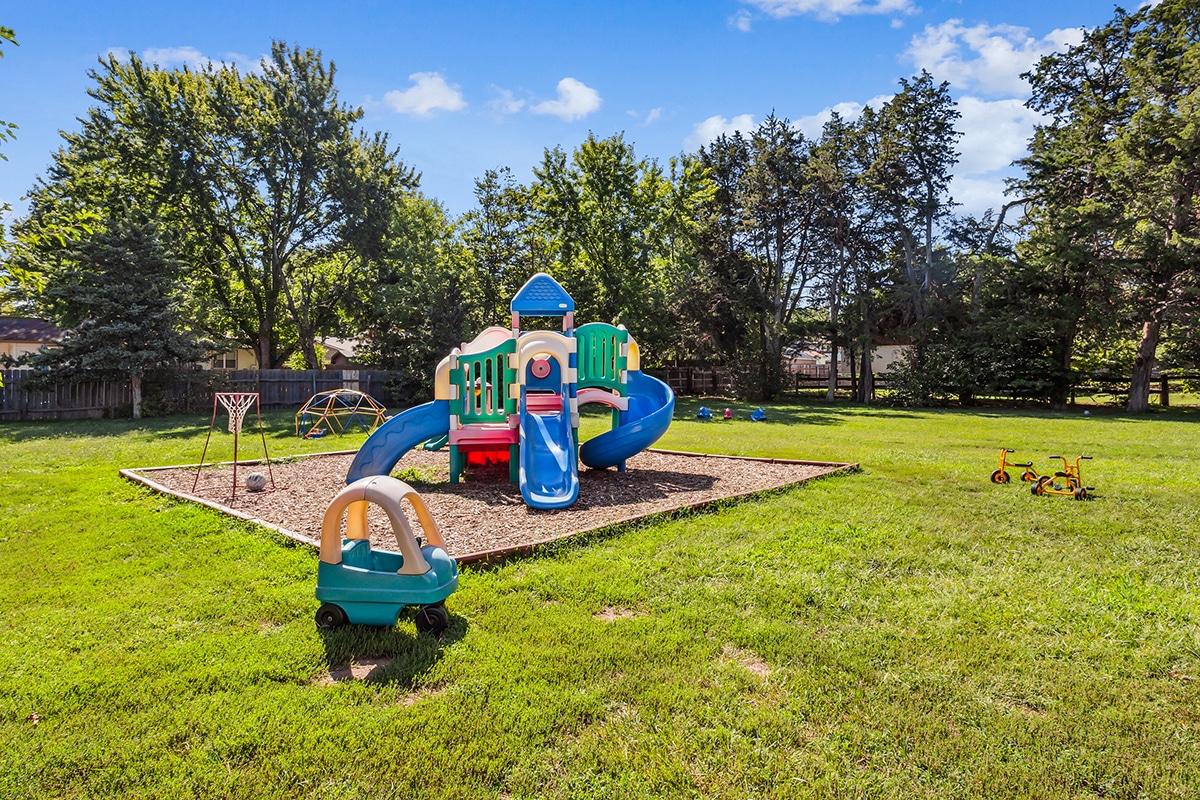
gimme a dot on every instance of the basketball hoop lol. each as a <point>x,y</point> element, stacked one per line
<point>237,404</point>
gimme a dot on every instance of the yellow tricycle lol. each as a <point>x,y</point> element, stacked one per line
<point>1001,473</point>
<point>1072,476</point>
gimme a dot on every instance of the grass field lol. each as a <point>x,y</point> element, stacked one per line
<point>907,631</point>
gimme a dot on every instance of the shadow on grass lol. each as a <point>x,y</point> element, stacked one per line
<point>278,426</point>
<point>397,655</point>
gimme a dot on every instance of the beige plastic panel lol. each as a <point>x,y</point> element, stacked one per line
<point>489,338</point>
<point>533,344</point>
<point>389,494</point>
<point>443,389</point>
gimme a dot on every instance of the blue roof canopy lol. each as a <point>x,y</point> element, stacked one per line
<point>542,296</point>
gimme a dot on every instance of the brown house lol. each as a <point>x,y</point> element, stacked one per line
<point>22,335</point>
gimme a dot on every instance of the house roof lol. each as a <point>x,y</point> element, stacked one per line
<point>347,347</point>
<point>28,329</point>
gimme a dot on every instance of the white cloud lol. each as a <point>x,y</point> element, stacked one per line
<point>653,116</point>
<point>975,195</point>
<point>812,125</point>
<point>711,128</point>
<point>831,10</point>
<point>575,101</point>
<point>740,21</point>
<point>429,93</point>
<point>995,133</point>
<point>505,102</point>
<point>171,56</point>
<point>192,58</point>
<point>987,58</point>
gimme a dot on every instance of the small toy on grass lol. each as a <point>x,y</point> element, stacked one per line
<point>358,584</point>
<point>758,415</point>
<point>1029,474</point>
<point>1073,480</point>
<point>704,414</point>
<point>729,413</point>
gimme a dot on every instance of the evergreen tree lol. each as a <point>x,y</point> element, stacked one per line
<point>116,296</point>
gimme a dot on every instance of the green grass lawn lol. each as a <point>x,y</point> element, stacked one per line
<point>907,631</point>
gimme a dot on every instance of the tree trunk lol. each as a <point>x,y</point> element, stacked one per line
<point>831,391</point>
<point>135,389</point>
<point>1143,364</point>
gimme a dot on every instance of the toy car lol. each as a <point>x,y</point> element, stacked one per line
<point>365,586</point>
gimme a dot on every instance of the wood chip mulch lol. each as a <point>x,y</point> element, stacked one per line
<point>484,516</point>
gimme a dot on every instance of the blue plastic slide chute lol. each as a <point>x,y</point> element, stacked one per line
<point>651,405</point>
<point>549,470</point>
<point>394,438</point>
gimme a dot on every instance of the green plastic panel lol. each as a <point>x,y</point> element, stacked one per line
<point>600,361</point>
<point>483,380</point>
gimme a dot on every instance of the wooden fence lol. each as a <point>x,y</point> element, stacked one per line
<point>90,400</point>
<point>192,391</point>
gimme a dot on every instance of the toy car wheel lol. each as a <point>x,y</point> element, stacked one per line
<point>330,617</point>
<point>999,477</point>
<point>432,619</point>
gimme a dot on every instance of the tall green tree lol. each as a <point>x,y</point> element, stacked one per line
<point>615,222</point>
<point>508,240</point>
<point>115,294</point>
<point>420,299</point>
<point>259,181</point>
<point>6,128</point>
<point>1114,175</point>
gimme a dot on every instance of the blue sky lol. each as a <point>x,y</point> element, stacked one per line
<point>462,87</point>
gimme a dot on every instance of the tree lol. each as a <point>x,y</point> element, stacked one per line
<point>259,181</point>
<point>115,294</point>
<point>760,245</point>
<point>1114,176</point>
<point>6,128</point>
<point>614,222</point>
<point>507,240</point>
<point>420,299</point>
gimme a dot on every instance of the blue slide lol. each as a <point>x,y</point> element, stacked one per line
<point>397,436</point>
<point>651,405</point>
<point>549,470</point>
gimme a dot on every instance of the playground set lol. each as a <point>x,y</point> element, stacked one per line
<point>507,396</point>
<point>513,396</point>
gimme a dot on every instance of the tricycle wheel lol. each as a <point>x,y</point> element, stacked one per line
<point>330,617</point>
<point>1080,493</point>
<point>999,477</point>
<point>432,619</point>
<point>1039,488</point>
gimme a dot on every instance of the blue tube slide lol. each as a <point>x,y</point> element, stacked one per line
<point>549,473</point>
<point>651,405</point>
<point>394,438</point>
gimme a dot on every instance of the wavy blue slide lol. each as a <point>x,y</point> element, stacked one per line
<point>651,405</point>
<point>549,469</point>
<point>397,436</point>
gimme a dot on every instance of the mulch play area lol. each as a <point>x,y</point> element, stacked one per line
<point>484,516</point>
